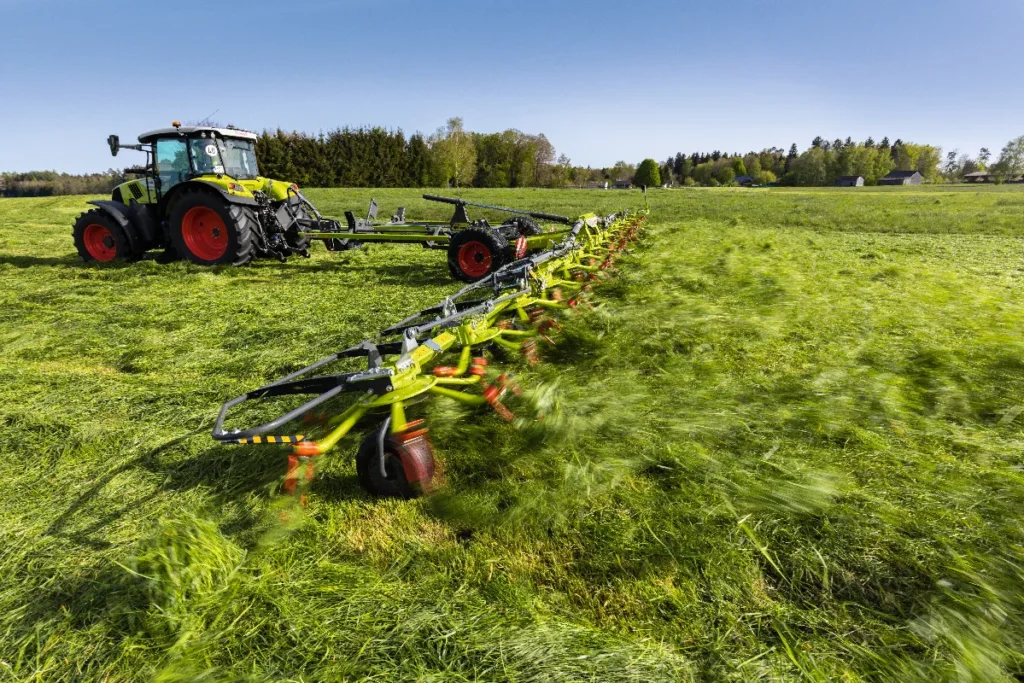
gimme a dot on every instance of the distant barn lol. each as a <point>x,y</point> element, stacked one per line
<point>986,177</point>
<point>745,181</point>
<point>902,178</point>
<point>850,181</point>
<point>622,185</point>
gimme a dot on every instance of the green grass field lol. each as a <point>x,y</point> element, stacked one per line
<point>787,444</point>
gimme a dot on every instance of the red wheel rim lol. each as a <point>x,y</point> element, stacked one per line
<point>204,233</point>
<point>475,259</point>
<point>100,242</point>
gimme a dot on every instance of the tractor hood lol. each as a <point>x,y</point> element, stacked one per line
<point>276,190</point>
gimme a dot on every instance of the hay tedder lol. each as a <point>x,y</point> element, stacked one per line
<point>475,247</point>
<point>509,311</point>
<point>200,197</point>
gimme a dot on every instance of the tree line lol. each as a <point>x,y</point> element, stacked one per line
<point>1008,168</point>
<point>821,164</point>
<point>455,157</point>
<point>824,162</point>
<point>376,157</point>
<point>51,183</point>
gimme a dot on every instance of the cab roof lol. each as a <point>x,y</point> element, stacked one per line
<point>189,130</point>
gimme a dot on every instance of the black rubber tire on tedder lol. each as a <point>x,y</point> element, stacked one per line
<point>98,237</point>
<point>475,253</point>
<point>409,466</point>
<point>207,230</point>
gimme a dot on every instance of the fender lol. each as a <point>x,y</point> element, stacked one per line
<point>169,198</point>
<point>121,215</point>
<point>227,196</point>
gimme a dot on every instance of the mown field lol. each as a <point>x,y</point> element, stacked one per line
<point>787,444</point>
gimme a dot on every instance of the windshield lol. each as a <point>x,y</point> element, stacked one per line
<point>226,156</point>
<point>239,157</point>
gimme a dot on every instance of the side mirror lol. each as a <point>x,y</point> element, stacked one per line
<point>115,144</point>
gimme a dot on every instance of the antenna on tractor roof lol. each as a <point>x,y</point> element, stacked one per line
<point>208,120</point>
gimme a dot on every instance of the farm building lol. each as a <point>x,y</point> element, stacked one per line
<point>902,178</point>
<point>745,181</point>
<point>623,185</point>
<point>850,181</point>
<point>986,177</point>
<point>590,185</point>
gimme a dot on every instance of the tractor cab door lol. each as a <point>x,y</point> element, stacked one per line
<point>172,165</point>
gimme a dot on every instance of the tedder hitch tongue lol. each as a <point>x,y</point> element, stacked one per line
<point>507,310</point>
<point>532,214</point>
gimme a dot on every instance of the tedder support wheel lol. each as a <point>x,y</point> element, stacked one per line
<point>209,231</point>
<point>98,237</point>
<point>408,464</point>
<point>474,253</point>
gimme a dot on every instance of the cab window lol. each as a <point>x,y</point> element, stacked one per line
<point>171,162</point>
<point>206,156</point>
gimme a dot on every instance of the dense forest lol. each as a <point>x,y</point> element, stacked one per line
<point>455,157</point>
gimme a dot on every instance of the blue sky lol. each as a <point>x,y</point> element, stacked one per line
<point>603,80</point>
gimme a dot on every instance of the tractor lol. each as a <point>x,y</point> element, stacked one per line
<point>199,197</point>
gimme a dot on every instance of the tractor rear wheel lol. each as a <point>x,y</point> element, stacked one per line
<point>408,465</point>
<point>209,231</point>
<point>474,253</point>
<point>98,237</point>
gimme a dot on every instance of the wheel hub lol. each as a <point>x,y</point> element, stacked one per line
<point>474,259</point>
<point>100,242</point>
<point>204,233</point>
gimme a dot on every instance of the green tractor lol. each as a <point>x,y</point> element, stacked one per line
<point>199,197</point>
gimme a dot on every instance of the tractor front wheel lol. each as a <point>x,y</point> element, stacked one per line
<point>209,231</point>
<point>408,467</point>
<point>98,237</point>
<point>475,253</point>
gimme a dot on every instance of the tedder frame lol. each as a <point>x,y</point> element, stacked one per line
<point>510,309</point>
<point>475,248</point>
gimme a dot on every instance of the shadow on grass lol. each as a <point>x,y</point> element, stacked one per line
<point>83,537</point>
<point>73,261</point>
<point>34,261</point>
<point>406,274</point>
<point>228,473</point>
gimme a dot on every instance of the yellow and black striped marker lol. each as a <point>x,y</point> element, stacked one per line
<point>271,439</point>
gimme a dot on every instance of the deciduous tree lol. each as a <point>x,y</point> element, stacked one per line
<point>648,173</point>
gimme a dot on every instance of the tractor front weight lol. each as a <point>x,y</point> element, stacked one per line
<point>510,309</point>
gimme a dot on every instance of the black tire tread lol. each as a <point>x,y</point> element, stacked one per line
<point>242,219</point>
<point>492,237</point>
<point>100,217</point>
<point>367,460</point>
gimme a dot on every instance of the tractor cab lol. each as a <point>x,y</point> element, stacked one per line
<point>183,153</point>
